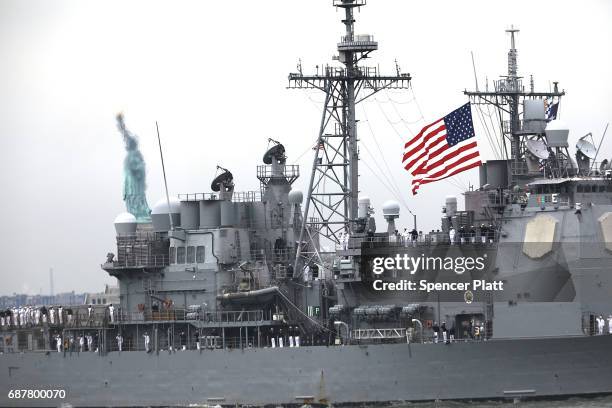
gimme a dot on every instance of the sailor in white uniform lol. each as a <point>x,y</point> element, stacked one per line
<point>451,236</point>
<point>58,343</point>
<point>81,343</point>
<point>147,340</point>
<point>119,342</point>
<point>60,317</point>
<point>52,315</point>
<point>600,324</point>
<point>111,312</point>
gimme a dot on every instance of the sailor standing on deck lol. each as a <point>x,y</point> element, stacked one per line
<point>451,235</point>
<point>111,312</point>
<point>60,317</point>
<point>81,343</point>
<point>119,342</point>
<point>444,333</point>
<point>52,314</point>
<point>436,332</point>
<point>58,343</point>
<point>197,340</point>
<point>147,339</point>
<point>600,324</point>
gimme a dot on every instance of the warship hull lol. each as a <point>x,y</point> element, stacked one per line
<point>543,367</point>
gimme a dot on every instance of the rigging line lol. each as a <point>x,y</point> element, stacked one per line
<point>394,182</point>
<point>495,128</point>
<point>402,138</point>
<point>394,192</point>
<point>302,155</point>
<point>385,185</point>
<point>301,312</point>
<point>487,132</point>
<point>401,118</point>
<point>415,99</point>
<point>390,100</point>
<point>393,104</point>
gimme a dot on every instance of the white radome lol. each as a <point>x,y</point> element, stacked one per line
<point>161,206</point>
<point>125,218</point>
<point>391,208</point>
<point>296,197</point>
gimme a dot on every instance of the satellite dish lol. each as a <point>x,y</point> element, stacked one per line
<point>222,179</point>
<point>537,148</point>
<point>587,148</point>
<point>276,151</point>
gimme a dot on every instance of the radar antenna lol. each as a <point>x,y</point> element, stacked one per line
<point>331,205</point>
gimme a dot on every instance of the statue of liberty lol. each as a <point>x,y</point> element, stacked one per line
<point>134,176</point>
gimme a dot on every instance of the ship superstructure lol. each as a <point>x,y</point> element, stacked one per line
<point>240,280</point>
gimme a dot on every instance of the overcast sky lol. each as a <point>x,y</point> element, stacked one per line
<point>214,74</point>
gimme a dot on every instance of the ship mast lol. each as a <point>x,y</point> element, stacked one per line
<point>332,202</point>
<point>507,96</point>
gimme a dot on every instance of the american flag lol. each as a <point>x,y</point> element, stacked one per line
<point>442,149</point>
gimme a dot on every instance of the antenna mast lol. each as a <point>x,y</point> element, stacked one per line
<point>507,98</point>
<point>332,201</point>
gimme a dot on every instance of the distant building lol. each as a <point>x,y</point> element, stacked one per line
<point>110,295</point>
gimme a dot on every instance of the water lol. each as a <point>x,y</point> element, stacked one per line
<point>583,402</point>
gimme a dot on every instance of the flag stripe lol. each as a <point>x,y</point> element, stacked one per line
<point>448,167</point>
<point>417,137</point>
<point>425,152</point>
<point>452,155</point>
<point>426,139</point>
<point>464,168</point>
<point>442,148</point>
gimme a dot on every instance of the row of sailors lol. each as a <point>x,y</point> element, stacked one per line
<point>601,324</point>
<point>32,316</point>
<point>485,234</point>
<point>69,343</point>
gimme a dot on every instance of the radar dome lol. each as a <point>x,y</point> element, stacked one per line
<point>295,197</point>
<point>391,208</point>
<point>160,211</point>
<point>125,223</point>
<point>161,206</point>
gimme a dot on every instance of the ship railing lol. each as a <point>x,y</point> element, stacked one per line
<point>233,316</point>
<point>436,238</point>
<point>133,260</point>
<point>289,171</point>
<point>190,315</point>
<point>138,237</point>
<point>237,196</point>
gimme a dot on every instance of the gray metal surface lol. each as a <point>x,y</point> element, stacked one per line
<point>399,372</point>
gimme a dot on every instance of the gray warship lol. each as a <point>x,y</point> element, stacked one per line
<point>227,298</point>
